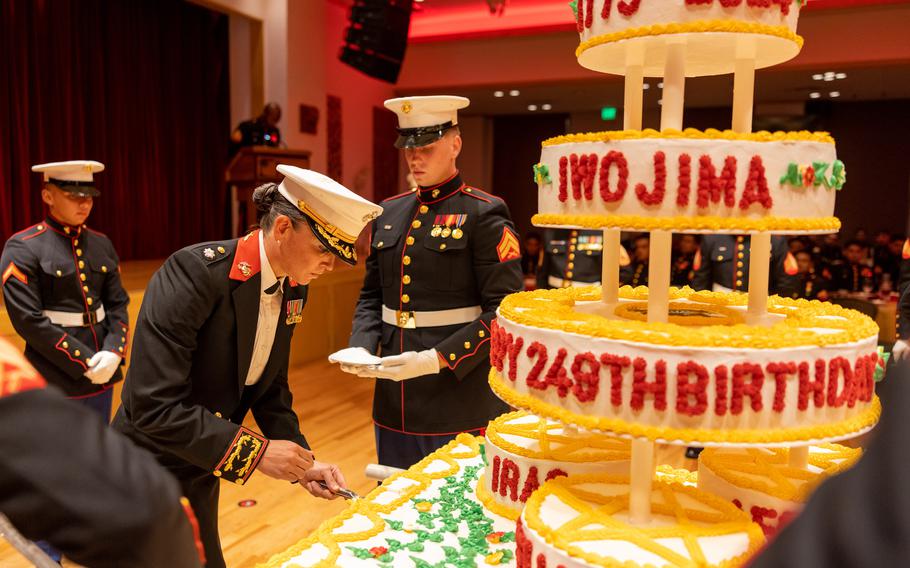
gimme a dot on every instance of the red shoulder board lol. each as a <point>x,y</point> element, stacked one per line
<point>246,261</point>
<point>16,375</point>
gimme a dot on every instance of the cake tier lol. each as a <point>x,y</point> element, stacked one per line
<point>809,377</point>
<point>690,181</point>
<point>583,521</point>
<point>615,34</point>
<point>761,482</point>
<point>523,451</point>
<point>425,516</point>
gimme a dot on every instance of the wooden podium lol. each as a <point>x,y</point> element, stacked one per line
<point>250,168</point>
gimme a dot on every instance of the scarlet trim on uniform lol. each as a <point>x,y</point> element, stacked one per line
<point>247,252</point>
<point>471,193</point>
<point>242,456</point>
<point>88,309</point>
<point>508,248</point>
<point>18,376</point>
<point>399,196</point>
<point>452,365</point>
<point>32,236</point>
<point>490,197</point>
<point>68,354</point>
<point>99,233</point>
<point>27,229</point>
<point>428,191</point>
<point>13,270</point>
<point>194,524</point>
<point>390,429</point>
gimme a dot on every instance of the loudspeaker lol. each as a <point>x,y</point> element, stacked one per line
<point>377,37</point>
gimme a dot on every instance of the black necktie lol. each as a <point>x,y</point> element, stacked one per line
<point>273,288</point>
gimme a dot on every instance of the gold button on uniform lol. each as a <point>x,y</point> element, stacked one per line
<point>568,274</point>
<point>442,246</point>
<point>405,298</point>
<point>416,223</point>
<point>103,269</point>
<point>573,241</point>
<point>480,333</point>
<point>216,473</point>
<point>571,265</point>
<point>85,288</point>
<point>739,264</point>
<point>572,256</point>
<point>739,273</point>
<point>467,344</point>
<point>81,264</point>
<point>82,277</point>
<point>66,345</point>
<point>77,353</point>
<point>406,260</point>
<point>122,340</point>
<point>406,279</point>
<point>217,415</point>
<point>75,242</point>
<point>379,244</point>
<point>410,240</point>
<point>740,255</point>
<point>40,227</point>
<point>739,282</point>
<point>451,356</point>
<point>424,208</point>
<point>59,273</point>
<point>88,301</point>
<point>121,349</point>
<point>221,250</point>
<point>78,252</point>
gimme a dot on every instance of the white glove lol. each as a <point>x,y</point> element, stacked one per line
<point>102,367</point>
<point>408,365</point>
<point>901,349</point>
<point>352,354</point>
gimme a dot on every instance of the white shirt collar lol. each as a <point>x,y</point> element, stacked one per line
<point>268,275</point>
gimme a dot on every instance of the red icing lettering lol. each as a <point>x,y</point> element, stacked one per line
<point>756,186</point>
<point>720,385</point>
<point>622,168</point>
<point>616,364</point>
<point>556,375</point>
<point>583,169</point>
<point>655,197</point>
<point>839,366</point>
<point>641,387</point>
<point>494,479</point>
<point>741,389</point>
<point>530,486</point>
<point>780,371</point>
<point>687,390</point>
<point>554,473</point>
<point>537,348</point>
<point>563,178</point>
<point>587,382</point>
<point>711,187</point>
<point>814,387</point>
<point>685,180</point>
<point>508,479</point>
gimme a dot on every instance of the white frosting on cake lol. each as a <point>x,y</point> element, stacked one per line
<point>788,201</point>
<point>762,482</point>
<point>540,449</point>
<point>647,25</point>
<point>561,524</point>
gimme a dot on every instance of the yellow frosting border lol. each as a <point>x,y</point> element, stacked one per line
<point>682,224</point>
<point>490,503</point>
<point>777,483</point>
<point>554,310</point>
<point>725,519</point>
<point>365,506</point>
<point>601,454</point>
<point>690,134</point>
<point>702,26</point>
<point>727,316</point>
<point>865,419</point>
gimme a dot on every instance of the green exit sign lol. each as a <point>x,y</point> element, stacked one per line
<point>608,113</point>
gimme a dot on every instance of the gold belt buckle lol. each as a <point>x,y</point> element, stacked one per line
<point>405,319</point>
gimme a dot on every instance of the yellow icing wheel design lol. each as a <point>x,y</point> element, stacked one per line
<point>768,470</point>
<point>597,520</point>
<point>555,310</point>
<point>684,314</point>
<point>583,447</point>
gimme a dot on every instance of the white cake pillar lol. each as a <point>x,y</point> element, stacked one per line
<point>799,457</point>
<point>743,85</point>
<point>634,88</point>
<point>659,260</point>
<point>642,476</point>
<point>674,95</point>
<point>609,277</point>
<point>759,266</point>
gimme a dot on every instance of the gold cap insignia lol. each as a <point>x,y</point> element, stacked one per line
<point>245,268</point>
<point>406,108</point>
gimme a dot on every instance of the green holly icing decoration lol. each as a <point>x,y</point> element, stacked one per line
<point>838,175</point>
<point>542,174</point>
<point>574,5</point>
<point>793,177</point>
<point>880,367</point>
<point>820,169</point>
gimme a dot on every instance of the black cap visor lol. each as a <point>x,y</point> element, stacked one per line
<point>342,249</point>
<point>77,188</point>
<point>423,136</point>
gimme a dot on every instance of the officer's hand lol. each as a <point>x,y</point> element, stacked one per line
<point>901,349</point>
<point>329,473</point>
<point>286,460</point>
<point>102,367</point>
<point>408,365</point>
<point>349,355</point>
